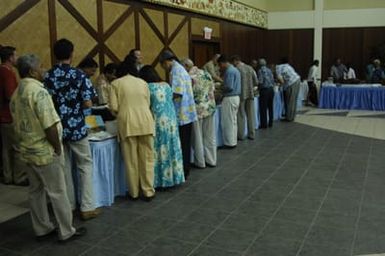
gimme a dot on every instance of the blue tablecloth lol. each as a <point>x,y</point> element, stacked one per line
<point>108,171</point>
<point>370,98</point>
<point>278,110</point>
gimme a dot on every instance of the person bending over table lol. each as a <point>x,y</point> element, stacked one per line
<point>290,81</point>
<point>168,167</point>
<point>204,138</point>
<point>181,84</point>
<point>130,102</point>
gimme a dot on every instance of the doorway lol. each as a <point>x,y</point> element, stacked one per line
<point>203,51</point>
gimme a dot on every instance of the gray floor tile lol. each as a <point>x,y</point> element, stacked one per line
<point>244,222</point>
<point>319,250</point>
<point>328,236</point>
<point>207,216</point>
<point>167,247</point>
<point>69,249</point>
<point>285,229</point>
<point>230,239</point>
<point>189,232</point>
<point>273,246</point>
<point>211,251</point>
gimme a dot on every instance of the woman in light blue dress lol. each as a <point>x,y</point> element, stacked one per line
<point>168,167</point>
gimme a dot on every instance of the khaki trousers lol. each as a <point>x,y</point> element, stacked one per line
<point>229,112</point>
<point>79,151</point>
<point>49,180</point>
<point>204,142</point>
<point>291,98</point>
<point>12,171</point>
<point>246,112</point>
<point>138,155</point>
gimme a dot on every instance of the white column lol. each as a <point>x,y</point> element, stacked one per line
<point>318,26</point>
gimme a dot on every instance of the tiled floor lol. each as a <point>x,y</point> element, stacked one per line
<point>295,190</point>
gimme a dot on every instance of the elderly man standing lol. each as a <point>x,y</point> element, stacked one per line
<point>8,84</point>
<point>213,69</point>
<point>290,81</point>
<point>72,93</point>
<point>338,71</point>
<point>37,128</point>
<point>184,103</point>
<point>266,94</point>
<point>246,112</point>
<point>130,102</point>
<point>204,141</point>
<point>230,102</point>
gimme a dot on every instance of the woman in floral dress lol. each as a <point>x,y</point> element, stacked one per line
<point>168,166</point>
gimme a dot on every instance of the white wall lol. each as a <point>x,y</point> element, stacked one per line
<point>331,19</point>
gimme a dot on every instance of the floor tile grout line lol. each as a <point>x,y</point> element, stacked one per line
<point>362,199</point>
<point>183,219</point>
<point>285,199</point>
<point>234,210</point>
<point>324,199</point>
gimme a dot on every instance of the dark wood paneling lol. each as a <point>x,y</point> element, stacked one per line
<point>296,44</point>
<point>352,45</point>
<point>246,41</point>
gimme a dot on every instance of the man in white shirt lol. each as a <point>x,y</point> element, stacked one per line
<point>290,81</point>
<point>311,81</point>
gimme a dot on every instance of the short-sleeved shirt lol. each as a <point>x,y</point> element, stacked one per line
<point>181,85</point>
<point>249,80</point>
<point>203,88</point>
<point>288,74</point>
<point>265,77</point>
<point>69,88</point>
<point>8,85</point>
<point>231,82</point>
<point>33,112</point>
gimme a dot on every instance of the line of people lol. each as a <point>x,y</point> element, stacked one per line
<point>158,122</point>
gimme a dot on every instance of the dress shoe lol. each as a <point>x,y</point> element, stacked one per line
<point>250,138</point>
<point>227,147</point>
<point>50,234</point>
<point>197,167</point>
<point>78,233</point>
<point>210,165</point>
<point>88,215</point>
<point>24,183</point>
<point>148,198</point>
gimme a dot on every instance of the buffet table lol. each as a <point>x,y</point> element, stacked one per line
<point>347,96</point>
<point>109,177</point>
<point>108,168</point>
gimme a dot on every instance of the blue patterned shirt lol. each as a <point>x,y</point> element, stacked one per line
<point>69,88</point>
<point>182,85</point>
<point>265,77</point>
<point>288,74</point>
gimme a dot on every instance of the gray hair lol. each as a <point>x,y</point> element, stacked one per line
<point>26,63</point>
<point>187,62</point>
<point>262,62</point>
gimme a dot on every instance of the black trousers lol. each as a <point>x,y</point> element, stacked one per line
<point>185,140</point>
<point>312,95</point>
<point>266,99</point>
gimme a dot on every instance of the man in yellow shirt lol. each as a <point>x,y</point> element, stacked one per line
<point>37,127</point>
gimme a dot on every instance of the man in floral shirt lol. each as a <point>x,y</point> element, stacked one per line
<point>204,140</point>
<point>72,93</point>
<point>184,103</point>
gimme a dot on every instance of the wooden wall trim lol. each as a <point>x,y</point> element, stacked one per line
<point>152,25</point>
<point>82,21</point>
<point>16,13</point>
<point>99,17</point>
<point>137,28</point>
<point>52,27</point>
<point>118,23</point>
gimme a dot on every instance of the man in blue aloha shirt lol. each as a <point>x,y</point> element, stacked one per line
<point>72,93</point>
